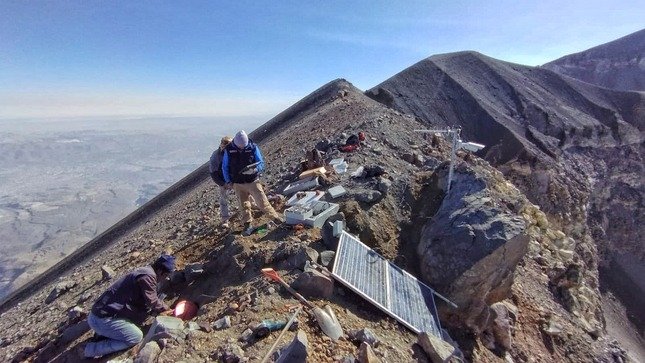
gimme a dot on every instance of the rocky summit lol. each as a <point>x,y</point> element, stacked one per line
<point>533,238</point>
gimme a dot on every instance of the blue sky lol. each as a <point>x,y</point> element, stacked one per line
<point>215,58</point>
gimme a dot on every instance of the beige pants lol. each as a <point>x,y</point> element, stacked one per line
<point>254,189</point>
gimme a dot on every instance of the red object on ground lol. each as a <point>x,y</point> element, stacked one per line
<point>348,148</point>
<point>185,310</point>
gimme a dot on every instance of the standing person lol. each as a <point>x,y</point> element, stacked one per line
<point>215,167</point>
<point>126,303</point>
<point>241,167</point>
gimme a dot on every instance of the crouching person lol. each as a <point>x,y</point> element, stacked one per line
<point>126,304</point>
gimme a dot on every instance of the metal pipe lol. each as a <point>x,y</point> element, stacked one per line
<point>284,330</point>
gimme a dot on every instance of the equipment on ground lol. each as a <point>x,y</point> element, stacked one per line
<point>326,318</point>
<point>456,144</point>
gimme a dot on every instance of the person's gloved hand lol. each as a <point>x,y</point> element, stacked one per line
<point>168,312</point>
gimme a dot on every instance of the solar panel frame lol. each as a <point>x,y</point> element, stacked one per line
<point>383,296</point>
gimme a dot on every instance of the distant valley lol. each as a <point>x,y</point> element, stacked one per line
<point>63,183</point>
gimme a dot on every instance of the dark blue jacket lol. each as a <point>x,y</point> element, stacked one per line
<point>131,297</point>
<point>236,159</point>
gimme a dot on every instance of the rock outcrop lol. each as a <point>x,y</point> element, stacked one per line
<point>472,245</point>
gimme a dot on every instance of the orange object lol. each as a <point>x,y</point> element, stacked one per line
<point>313,172</point>
<point>185,310</point>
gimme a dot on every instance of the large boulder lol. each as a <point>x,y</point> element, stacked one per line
<point>472,245</point>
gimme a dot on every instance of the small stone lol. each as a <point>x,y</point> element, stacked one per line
<point>366,354</point>
<point>59,289</point>
<point>369,196</point>
<point>84,297</point>
<point>136,254</point>
<point>409,157</point>
<point>552,328</point>
<point>247,336</point>
<point>436,348</point>
<point>230,353</point>
<point>326,257</point>
<point>364,335</point>
<point>107,272</point>
<point>384,185</point>
<point>223,323</point>
<point>205,327</point>
<point>75,313</point>
<point>232,309</point>
<point>271,290</point>
<point>149,353</point>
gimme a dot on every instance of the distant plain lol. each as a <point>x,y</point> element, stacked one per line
<point>63,182</point>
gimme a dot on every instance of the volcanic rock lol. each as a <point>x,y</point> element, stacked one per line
<point>364,335</point>
<point>107,272</point>
<point>60,289</point>
<point>473,245</point>
<point>296,351</point>
<point>366,354</point>
<point>223,323</point>
<point>149,353</point>
<point>438,350</point>
<point>314,284</point>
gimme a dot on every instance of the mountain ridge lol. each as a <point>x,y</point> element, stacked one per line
<point>618,64</point>
<point>553,138</point>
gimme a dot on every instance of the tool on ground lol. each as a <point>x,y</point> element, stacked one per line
<point>267,326</point>
<point>284,330</point>
<point>326,318</point>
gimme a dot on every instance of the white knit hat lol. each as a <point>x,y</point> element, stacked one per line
<point>241,139</point>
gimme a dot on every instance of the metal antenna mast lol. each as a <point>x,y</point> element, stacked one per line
<point>455,144</point>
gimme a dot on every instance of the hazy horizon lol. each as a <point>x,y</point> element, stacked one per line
<point>64,182</point>
<point>75,58</point>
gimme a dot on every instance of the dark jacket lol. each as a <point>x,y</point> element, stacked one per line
<point>215,167</point>
<point>132,297</point>
<point>236,159</point>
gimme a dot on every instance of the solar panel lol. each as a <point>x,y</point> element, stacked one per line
<point>385,285</point>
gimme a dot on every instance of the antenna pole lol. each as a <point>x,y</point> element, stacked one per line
<point>454,143</point>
